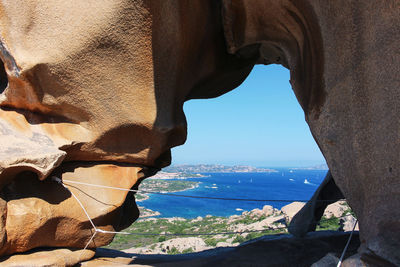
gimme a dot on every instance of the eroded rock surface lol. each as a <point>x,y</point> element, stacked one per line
<point>49,257</point>
<point>102,83</point>
<point>291,210</point>
<point>280,250</point>
<point>94,91</point>
<point>50,216</point>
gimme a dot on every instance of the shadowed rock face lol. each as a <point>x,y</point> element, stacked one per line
<point>93,91</point>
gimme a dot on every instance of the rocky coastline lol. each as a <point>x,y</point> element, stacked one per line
<point>229,231</point>
<point>163,186</point>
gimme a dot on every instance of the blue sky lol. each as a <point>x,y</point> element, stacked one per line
<point>260,123</point>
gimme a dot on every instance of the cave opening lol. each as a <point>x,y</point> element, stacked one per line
<point>260,126</point>
<point>3,77</point>
<point>250,143</point>
<point>259,123</point>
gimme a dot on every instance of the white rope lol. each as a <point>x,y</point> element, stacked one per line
<point>198,197</point>
<point>97,230</point>
<point>90,240</point>
<point>347,245</point>
<point>102,186</point>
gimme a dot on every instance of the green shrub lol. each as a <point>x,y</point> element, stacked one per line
<point>212,242</point>
<point>238,239</point>
<point>188,250</point>
<point>173,251</point>
<point>328,224</point>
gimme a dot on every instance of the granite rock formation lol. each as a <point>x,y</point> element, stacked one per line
<point>266,251</point>
<point>94,90</point>
<point>306,219</point>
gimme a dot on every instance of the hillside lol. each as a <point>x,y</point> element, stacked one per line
<point>232,230</point>
<point>213,168</point>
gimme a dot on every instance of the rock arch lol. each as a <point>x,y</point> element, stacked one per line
<point>123,74</point>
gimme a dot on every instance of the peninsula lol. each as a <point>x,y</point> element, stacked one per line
<point>214,168</point>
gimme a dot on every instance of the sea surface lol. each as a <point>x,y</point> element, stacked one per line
<point>286,184</point>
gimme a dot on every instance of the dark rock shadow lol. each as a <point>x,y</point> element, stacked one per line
<point>270,250</point>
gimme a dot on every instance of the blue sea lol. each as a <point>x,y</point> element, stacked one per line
<point>288,184</point>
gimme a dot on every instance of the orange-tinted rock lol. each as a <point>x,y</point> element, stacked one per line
<point>50,216</point>
<point>104,82</point>
<point>96,83</point>
<point>60,257</point>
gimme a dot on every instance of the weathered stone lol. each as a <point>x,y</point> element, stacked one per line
<point>329,260</point>
<point>29,150</point>
<point>336,209</point>
<point>92,82</point>
<point>348,223</point>
<point>178,244</point>
<point>55,257</point>
<point>307,218</point>
<point>354,261</point>
<point>278,250</point>
<point>291,210</point>
<point>268,210</point>
<point>53,217</point>
<point>344,64</point>
<point>257,226</point>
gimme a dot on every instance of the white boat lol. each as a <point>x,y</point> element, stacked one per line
<point>306,181</point>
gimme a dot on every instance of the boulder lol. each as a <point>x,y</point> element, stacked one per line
<point>329,260</point>
<point>348,223</point>
<point>291,210</point>
<point>103,83</point>
<point>261,225</point>
<point>268,210</point>
<point>59,257</point>
<point>52,202</point>
<point>172,245</point>
<point>336,209</point>
<point>265,251</point>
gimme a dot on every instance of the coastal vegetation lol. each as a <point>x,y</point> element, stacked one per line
<point>214,168</point>
<point>163,186</point>
<point>175,235</point>
<point>171,226</point>
<point>229,231</point>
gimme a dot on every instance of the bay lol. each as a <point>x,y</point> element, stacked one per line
<point>286,184</point>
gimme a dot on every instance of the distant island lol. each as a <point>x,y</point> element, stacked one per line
<point>167,180</point>
<point>214,168</point>
<point>323,166</point>
<point>153,184</point>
